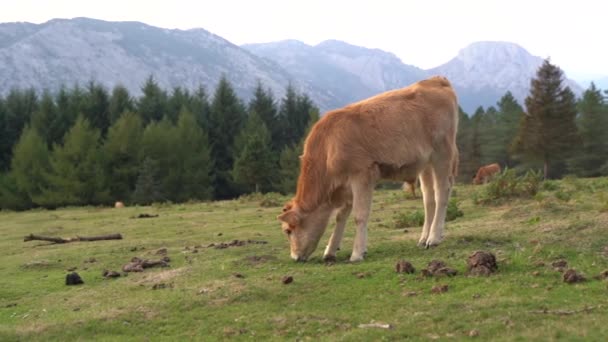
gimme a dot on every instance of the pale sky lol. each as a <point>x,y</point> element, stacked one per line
<point>424,33</point>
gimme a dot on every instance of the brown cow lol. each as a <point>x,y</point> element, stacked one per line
<point>399,135</point>
<point>119,204</point>
<point>485,173</point>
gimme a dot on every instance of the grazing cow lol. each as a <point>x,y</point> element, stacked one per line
<point>119,205</point>
<point>485,173</point>
<point>399,135</point>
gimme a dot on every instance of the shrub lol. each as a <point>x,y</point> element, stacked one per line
<point>508,185</point>
<point>411,219</point>
<point>454,211</point>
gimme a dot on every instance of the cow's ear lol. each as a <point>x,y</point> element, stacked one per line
<point>290,217</point>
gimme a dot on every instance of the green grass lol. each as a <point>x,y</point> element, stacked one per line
<point>203,300</point>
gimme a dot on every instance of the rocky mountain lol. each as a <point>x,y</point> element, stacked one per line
<point>65,52</point>
<point>333,73</point>
<point>484,71</point>
<point>346,72</point>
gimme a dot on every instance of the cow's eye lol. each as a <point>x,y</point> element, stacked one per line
<point>288,231</point>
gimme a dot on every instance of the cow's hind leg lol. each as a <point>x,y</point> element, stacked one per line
<point>336,236</point>
<point>428,198</point>
<point>443,181</point>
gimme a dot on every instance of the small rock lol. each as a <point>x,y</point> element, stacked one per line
<point>287,280</point>
<point>73,279</point>
<point>238,275</point>
<point>404,266</point>
<point>572,276</point>
<point>473,333</point>
<point>439,289</point>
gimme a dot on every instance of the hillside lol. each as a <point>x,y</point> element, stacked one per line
<point>333,73</point>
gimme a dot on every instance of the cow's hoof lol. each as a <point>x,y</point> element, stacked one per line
<point>356,258</point>
<point>432,243</point>
<point>329,258</point>
<point>422,242</point>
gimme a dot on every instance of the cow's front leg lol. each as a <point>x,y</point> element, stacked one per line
<point>336,237</point>
<point>362,202</point>
<point>428,198</point>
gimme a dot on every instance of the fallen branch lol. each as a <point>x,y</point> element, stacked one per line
<point>33,237</point>
<point>564,312</point>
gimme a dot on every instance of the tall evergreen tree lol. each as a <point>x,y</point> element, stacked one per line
<point>44,117</point>
<point>121,156</point>
<point>263,104</point>
<point>466,167</point>
<point>120,102</point>
<point>593,124</point>
<point>97,107</point>
<point>4,139</point>
<point>225,122</point>
<point>153,105</point>
<point>70,103</point>
<point>148,188</point>
<point>548,133</point>
<point>194,166</point>
<point>294,116</point>
<point>76,174</point>
<point>179,100</point>
<point>254,164</point>
<point>159,146</point>
<point>19,106</point>
<point>510,115</point>
<point>30,165</point>
<point>199,106</point>
<point>477,123</point>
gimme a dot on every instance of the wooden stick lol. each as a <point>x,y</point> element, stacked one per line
<point>32,237</point>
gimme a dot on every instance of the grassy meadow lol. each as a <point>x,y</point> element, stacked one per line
<point>237,292</point>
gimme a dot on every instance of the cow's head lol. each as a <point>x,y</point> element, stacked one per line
<point>303,230</point>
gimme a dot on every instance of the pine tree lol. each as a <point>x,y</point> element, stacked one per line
<point>264,105</point>
<point>199,106</point>
<point>120,102</point>
<point>69,105</point>
<point>464,140</point>
<point>30,164</point>
<point>294,115</point>
<point>254,163</point>
<point>4,139</point>
<point>477,122</point>
<point>489,133</point>
<point>225,122</point>
<point>97,107</point>
<point>593,124</point>
<point>148,188</point>
<point>160,144</point>
<point>19,106</point>
<point>549,134</point>
<point>44,117</point>
<point>153,105</point>
<point>510,115</point>
<point>76,173</point>
<point>121,156</point>
<point>194,164</point>
<point>179,100</point>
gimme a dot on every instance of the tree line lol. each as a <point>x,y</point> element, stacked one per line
<point>91,146</point>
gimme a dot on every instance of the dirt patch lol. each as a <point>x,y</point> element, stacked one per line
<point>258,259</point>
<point>438,268</point>
<point>37,264</point>
<point>287,280</point>
<point>236,243</point>
<point>571,276</point>
<point>138,264</point>
<point>404,266</point>
<point>144,215</point>
<point>161,251</point>
<point>110,274</point>
<point>560,265</point>
<point>437,289</point>
<point>603,275</point>
<point>481,263</point>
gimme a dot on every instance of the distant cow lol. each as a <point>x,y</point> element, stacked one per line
<point>485,173</point>
<point>411,187</point>
<point>119,205</point>
<point>402,135</point>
